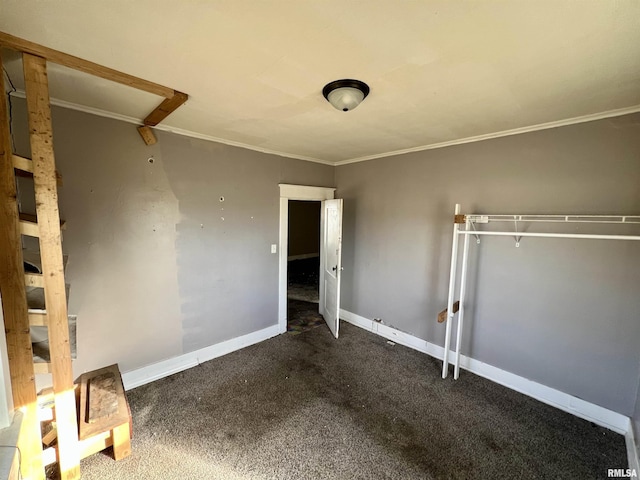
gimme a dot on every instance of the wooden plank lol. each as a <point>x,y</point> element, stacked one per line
<point>21,163</point>
<point>24,168</point>
<point>14,305</point>
<point>29,225</point>
<point>55,56</point>
<point>38,318</point>
<point>102,399</point>
<point>42,368</point>
<point>165,109</point>
<point>121,441</point>
<point>27,217</point>
<point>44,176</point>
<point>442,316</point>
<point>101,422</point>
<point>24,174</point>
<point>51,435</point>
<point>87,447</point>
<point>34,280</point>
<point>95,444</point>
<point>29,229</point>
<point>147,135</point>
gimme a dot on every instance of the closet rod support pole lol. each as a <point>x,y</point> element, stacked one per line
<point>452,286</point>
<point>463,283</point>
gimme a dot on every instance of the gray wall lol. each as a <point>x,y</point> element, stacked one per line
<point>304,227</point>
<point>560,312</point>
<point>158,265</point>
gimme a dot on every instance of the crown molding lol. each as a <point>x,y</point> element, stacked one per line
<point>166,128</point>
<point>478,138</point>
<point>505,133</point>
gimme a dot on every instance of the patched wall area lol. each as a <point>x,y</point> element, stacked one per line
<point>158,264</point>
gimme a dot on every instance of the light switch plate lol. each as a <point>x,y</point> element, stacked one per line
<point>274,248</point>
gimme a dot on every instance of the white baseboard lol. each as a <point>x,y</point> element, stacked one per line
<point>303,256</point>
<point>156,371</point>
<point>580,408</point>
<point>632,450</point>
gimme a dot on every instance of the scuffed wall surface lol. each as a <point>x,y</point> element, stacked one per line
<point>561,312</point>
<point>229,204</point>
<point>154,269</point>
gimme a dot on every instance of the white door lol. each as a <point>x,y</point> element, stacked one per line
<point>331,268</point>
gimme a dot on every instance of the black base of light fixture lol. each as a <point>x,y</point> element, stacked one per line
<point>345,83</point>
<point>331,86</point>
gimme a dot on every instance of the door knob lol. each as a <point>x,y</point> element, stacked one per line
<point>335,268</point>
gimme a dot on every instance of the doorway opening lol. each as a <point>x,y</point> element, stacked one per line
<point>290,192</point>
<point>303,266</point>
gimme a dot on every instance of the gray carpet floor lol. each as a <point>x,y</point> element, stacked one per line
<point>311,407</point>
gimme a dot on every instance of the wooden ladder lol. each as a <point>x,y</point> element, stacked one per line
<point>13,280</point>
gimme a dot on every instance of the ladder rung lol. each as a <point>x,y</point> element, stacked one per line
<point>41,367</point>
<point>34,280</point>
<point>24,168</point>
<point>21,163</point>
<point>50,436</point>
<point>29,228</point>
<point>29,225</point>
<point>38,318</point>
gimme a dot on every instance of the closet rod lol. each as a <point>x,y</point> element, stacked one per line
<point>551,235</point>
<point>622,219</point>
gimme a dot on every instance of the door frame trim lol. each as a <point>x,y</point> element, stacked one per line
<point>294,192</point>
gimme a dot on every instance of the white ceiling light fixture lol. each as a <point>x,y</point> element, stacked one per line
<point>345,94</point>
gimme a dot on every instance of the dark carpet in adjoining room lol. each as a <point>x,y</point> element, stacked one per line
<point>309,406</point>
<point>303,295</point>
<point>302,316</point>
<point>303,277</point>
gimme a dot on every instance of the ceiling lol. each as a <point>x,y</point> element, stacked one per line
<point>440,72</point>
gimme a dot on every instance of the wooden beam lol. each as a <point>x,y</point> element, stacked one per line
<point>27,217</point>
<point>147,135</point>
<point>95,444</point>
<point>29,229</point>
<point>44,176</point>
<point>24,168</point>
<point>442,316</point>
<point>34,280</point>
<point>29,225</point>
<point>21,163</point>
<point>121,441</point>
<point>42,367</point>
<point>165,109</point>
<point>23,174</point>
<point>14,305</point>
<point>103,404</point>
<point>55,56</point>
<point>173,98</point>
<point>51,435</point>
<point>38,318</point>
